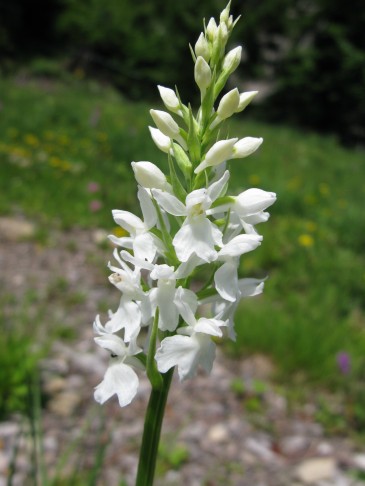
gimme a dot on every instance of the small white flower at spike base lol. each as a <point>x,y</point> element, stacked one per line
<point>149,176</point>
<point>120,379</point>
<point>202,47</point>
<point>189,351</point>
<point>202,74</point>
<point>245,99</point>
<point>170,100</point>
<point>217,154</point>
<point>245,147</point>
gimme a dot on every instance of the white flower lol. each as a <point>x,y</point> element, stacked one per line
<point>143,243</point>
<point>189,351</point>
<point>167,298</point>
<point>226,278</point>
<point>197,234</point>
<point>120,379</point>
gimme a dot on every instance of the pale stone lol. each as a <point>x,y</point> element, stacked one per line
<point>218,433</point>
<point>12,229</point>
<point>316,469</point>
<point>359,461</point>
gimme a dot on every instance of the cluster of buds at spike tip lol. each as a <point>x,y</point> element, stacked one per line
<point>189,227</point>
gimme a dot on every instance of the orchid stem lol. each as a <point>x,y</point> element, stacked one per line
<point>152,430</point>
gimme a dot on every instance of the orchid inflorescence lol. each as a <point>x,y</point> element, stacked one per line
<point>185,250</point>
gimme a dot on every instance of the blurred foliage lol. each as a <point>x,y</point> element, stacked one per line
<point>310,52</point>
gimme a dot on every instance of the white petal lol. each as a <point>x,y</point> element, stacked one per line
<point>128,316</point>
<point>112,343</point>
<point>209,326</point>
<point>144,247</point>
<point>206,352</point>
<point>226,281</point>
<point>162,142</point>
<point>198,237</point>
<point>187,303</point>
<point>129,221</point>
<point>147,207</point>
<point>163,271</point>
<point>121,380</point>
<point>215,189</point>
<point>249,287</point>
<point>181,351</point>
<point>245,147</point>
<point>239,245</point>
<point>168,313</point>
<point>169,203</point>
<point>124,241</point>
<point>187,267</point>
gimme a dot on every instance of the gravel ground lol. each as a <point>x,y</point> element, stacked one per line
<point>209,437</point>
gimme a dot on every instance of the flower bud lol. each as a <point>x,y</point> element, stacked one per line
<point>169,98</point>
<point>224,16</point>
<point>149,176</point>
<point>253,201</point>
<point>211,29</point>
<point>245,99</point>
<point>232,60</point>
<point>202,47</point>
<point>217,154</point>
<point>245,147</point>
<point>202,74</point>
<point>228,104</point>
<point>162,141</point>
<point>165,123</point>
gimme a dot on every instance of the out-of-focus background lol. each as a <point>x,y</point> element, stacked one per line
<point>77,80</point>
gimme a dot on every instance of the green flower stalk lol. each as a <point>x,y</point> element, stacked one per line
<point>189,224</point>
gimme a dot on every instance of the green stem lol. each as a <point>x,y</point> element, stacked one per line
<point>152,430</point>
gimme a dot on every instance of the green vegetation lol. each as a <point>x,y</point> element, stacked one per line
<point>65,146</point>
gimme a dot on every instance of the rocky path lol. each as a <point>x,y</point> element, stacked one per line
<point>214,432</point>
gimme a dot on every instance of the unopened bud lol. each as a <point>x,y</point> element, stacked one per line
<point>162,141</point>
<point>253,201</point>
<point>212,29</point>
<point>245,147</point>
<point>228,104</point>
<point>202,47</point>
<point>232,60</point>
<point>224,16</point>
<point>202,73</point>
<point>165,123</point>
<point>217,154</point>
<point>149,176</point>
<point>245,99</point>
<point>169,98</point>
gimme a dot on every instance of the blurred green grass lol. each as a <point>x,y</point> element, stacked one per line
<point>57,138</point>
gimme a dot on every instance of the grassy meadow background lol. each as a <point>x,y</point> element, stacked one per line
<point>59,138</point>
